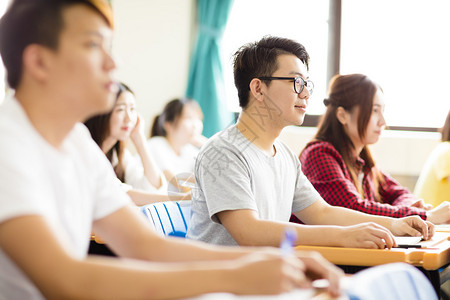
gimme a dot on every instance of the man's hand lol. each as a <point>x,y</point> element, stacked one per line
<point>421,204</point>
<point>264,273</point>
<point>317,267</point>
<point>366,235</point>
<point>412,226</point>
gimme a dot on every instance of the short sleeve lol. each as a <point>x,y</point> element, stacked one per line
<point>305,193</point>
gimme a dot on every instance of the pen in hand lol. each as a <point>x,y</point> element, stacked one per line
<point>287,248</point>
<point>288,241</point>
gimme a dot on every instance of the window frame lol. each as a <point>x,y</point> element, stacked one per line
<point>333,65</point>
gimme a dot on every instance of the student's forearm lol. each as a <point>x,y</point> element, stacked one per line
<point>344,217</point>
<point>271,233</point>
<point>103,278</point>
<point>173,249</point>
<point>142,197</point>
<point>248,230</point>
<point>151,171</point>
<point>145,244</point>
<point>66,277</point>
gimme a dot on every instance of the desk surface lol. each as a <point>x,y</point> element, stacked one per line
<point>435,255</point>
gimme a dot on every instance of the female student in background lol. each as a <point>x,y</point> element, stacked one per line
<point>434,180</point>
<point>175,139</point>
<point>339,164</point>
<point>144,180</point>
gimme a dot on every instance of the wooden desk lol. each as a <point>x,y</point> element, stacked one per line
<point>436,255</point>
<point>96,239</point>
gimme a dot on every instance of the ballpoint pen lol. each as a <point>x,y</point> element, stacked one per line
<point>288,242</point>
<point>410,246</point>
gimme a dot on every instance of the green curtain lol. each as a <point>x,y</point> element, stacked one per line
<point>206,83</point>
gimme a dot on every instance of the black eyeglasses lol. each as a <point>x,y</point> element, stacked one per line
<point>299,83</point>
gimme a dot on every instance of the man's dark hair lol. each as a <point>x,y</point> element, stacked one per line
<point>259,59</point>
<point>29,22</point>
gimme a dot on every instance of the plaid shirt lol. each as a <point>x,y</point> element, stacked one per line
<point>325,168</point>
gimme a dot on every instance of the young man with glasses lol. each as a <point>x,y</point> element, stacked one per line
<point>248,182</point>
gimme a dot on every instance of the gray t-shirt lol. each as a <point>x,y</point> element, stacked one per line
<point>232,173</point>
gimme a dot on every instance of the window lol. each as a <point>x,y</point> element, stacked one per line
<point>301,20</point>
<point>403,45</point>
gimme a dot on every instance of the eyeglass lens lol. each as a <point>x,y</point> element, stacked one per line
<point>300,83</point>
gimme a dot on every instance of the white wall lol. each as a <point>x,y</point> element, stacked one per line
<point>152,45</point>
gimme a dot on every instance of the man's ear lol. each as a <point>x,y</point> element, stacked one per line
<point>256,89</point>
<point>342,115</point>
<point>36,60</point>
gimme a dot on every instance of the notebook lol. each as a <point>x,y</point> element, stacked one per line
<point>407,240</point>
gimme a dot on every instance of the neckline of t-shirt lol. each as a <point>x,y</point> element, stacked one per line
<point>259,150</point>
<point>61,152</point>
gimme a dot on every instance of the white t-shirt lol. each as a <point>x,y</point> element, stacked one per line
<point>70,187</point>
<point>231,173</point>
<point>167,159</point>
<point>134,174</point>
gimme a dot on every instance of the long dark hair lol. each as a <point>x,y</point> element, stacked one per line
<point>445,131</point>
<point>99,127</point>
<point>349,92</point>
<point>170,114</point>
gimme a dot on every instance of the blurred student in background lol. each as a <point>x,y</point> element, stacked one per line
<point>433,184</point>
<point>339,164</point>
<point>143,180</point>
<point>175,139</point>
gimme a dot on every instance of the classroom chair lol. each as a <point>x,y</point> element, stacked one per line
<point>394,281</point>
<point>169,218</point>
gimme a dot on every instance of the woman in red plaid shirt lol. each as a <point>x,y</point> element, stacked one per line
<point>339,164</point>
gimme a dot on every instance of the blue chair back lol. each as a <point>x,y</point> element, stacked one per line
<point>394,281</point>
<point>169,218</point>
